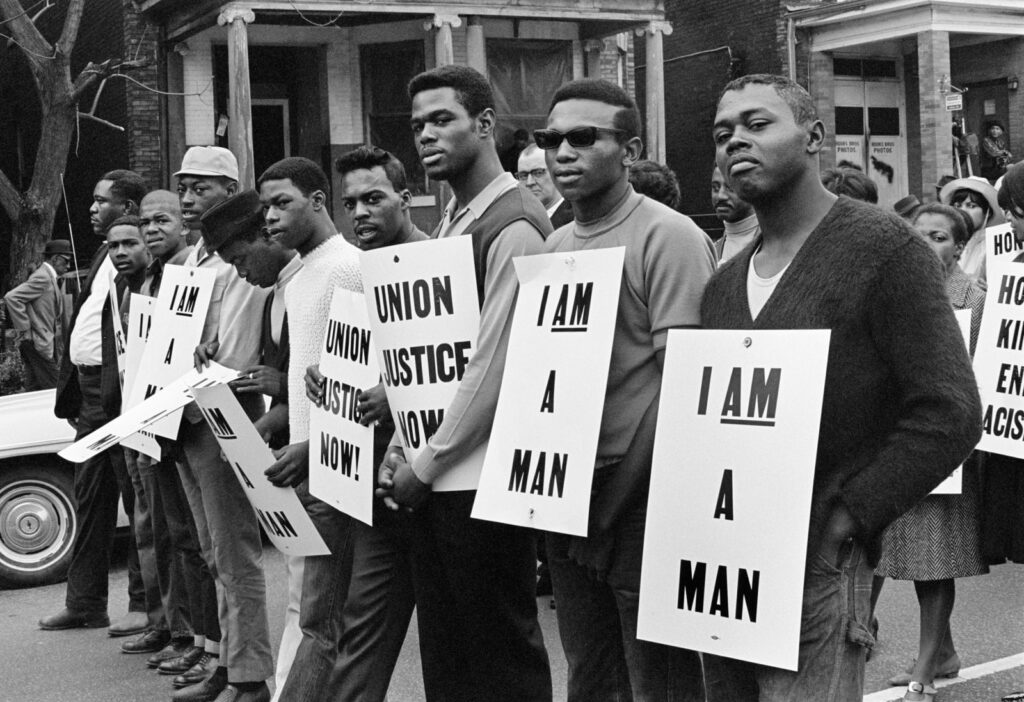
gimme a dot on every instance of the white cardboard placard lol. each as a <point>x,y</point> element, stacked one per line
<point>953,485</point>
<point>1000,244</point>
<point>140,321</point>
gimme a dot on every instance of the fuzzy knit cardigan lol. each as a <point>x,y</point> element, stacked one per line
<point>901,407</point>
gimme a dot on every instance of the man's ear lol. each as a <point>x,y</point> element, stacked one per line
<point>634,146</point>
<point>406,196</point>
<point>816,137</point>
<point>232,187</point>
<point>318,198</point>
<point>486,122</point>
<point>131,207</point>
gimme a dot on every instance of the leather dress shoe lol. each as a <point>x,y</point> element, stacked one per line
<point>73,619</point>
<point>205,691</point>
<point>202,669</point>
<point>175,649</point>
<point>233,694</point>
<point>130,624</point>
<point>180,663</point>
<point>147,642</point>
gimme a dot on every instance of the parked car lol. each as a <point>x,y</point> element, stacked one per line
<point>37,491</point>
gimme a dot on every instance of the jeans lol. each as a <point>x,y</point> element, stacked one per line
<point>597,624</point>
<point>99,482</point>
<point>834,639</point>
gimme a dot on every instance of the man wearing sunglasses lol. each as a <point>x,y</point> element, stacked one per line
<point>474,580</point>
<point>590,143</point>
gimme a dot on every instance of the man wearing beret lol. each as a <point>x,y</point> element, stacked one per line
<point>37,312</point>
<point>229,534</point>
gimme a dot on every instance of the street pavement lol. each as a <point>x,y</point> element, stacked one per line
<point>87,665</point>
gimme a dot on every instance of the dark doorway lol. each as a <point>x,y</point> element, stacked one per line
<point>983,102</point>
<point>271,133</point>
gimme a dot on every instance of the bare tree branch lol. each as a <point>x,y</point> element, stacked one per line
<point>10,198</point>
<point>26,33</point>
<point>72,20</point>
<point>95,71</point>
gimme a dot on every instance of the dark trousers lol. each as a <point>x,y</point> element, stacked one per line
<point>475,584</point>
<point>146,542</point>
<point>40,371</point>
<point>99,482</point>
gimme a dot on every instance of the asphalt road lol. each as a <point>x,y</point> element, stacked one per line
<point>87,665</point>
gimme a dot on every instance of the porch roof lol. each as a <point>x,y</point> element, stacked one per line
<point>595,18</point>
<point>843,24</point>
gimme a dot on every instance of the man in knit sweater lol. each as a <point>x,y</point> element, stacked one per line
<point>737,217</point>
<point>294,194</point>
<point>901,407</point>
<point>591,140</point>
<point>475,580</point>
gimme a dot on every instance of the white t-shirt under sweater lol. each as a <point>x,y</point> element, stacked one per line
<point>738,235</point>
<point>335,263</point>
<point>760,289</point>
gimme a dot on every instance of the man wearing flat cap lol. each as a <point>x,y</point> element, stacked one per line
<point>39,316</point>
<point>229,534</point>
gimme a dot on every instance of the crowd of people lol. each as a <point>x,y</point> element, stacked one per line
<point>801,250</point>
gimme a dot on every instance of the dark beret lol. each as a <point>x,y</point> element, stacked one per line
<point>238,217</point>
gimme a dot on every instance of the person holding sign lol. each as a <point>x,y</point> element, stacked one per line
<point>938,539</point>
<point>900,410</point>
<point>591,140</point>
<point>229,533</point>
<point>979,200</point>
<point>475,581</point>
<point>88,396</point>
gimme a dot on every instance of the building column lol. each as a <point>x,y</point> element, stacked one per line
<point>822,87</point>
<point>444,47</point>
<point>239,92</point>
<point>476,55</point>
<point>933,74</point>
<point>592,49</point>
<point>655,73</point>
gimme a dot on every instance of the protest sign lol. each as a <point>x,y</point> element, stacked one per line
<point>997,360</point>
<point>1001,244</point>
<point>119,337</point>
<point>179,315</point>
<point>279,510</point>
<point>140,318</point>
<point>424,314</point>
<point>540,457</point>
<point>727,518</point>
<point>341,469</point>
<point>953,485</point>
<point>164,403</point>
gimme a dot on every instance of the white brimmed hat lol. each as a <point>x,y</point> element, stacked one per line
<point>209,161</point>
<point>975,185</point>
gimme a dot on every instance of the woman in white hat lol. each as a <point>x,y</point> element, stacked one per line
<point>978,199</point>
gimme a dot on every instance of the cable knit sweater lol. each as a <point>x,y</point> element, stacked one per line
<point>901,407</point>
<point>335,263</point>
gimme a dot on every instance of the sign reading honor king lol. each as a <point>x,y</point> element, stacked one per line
<point>998,363</point>
<point>279,510</point>
<point>540,457</point>
<point>730,496</point>
<point>179,315</point>
<point>425,317</point>
<point>341,470</point>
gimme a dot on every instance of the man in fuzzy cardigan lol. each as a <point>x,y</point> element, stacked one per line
<point>901,407</point>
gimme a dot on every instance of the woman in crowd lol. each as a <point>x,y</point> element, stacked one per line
<point>995,157</point>
<point>979,200</point>
<point>852,182</point>
<point>938,540</point>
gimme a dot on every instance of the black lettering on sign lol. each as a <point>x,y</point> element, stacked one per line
<point>144,333</point>
<point>417,299</point>
<point>184,299</point>
<point>723,508</point>
<point>278,523</point>
<point>348,342</point>
<point>762,399</point>
<point>170,352</point>
<point>522,463</point>
<point>1011,335</point>
<point>1011,379</point>
<point>218,424</point>
<point>103,443</point>
<point>243,476</point>
<point>151,390</point>
<point>340,398</point>
<point>1005,243</point>
<point>692,578</point>
<point>571,314</point>
<point>547,404</point>
<point>422,365</point>
<point>419,425</point>
<point>339,455</point>
<point>1004,422</point>
<point>1011,290</point>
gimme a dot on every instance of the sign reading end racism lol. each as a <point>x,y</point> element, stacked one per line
<point>278,509</point>
<point>998,362</point>
<point>341,470</point>
<point>540,457</point>
<point>730,497</point>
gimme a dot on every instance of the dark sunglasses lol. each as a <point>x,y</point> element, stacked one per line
<point>580,137</point>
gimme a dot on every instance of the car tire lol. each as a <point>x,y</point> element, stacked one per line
<point>38,524</point>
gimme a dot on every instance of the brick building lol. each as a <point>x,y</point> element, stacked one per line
<point>272,78</point>
<point>880,71</point>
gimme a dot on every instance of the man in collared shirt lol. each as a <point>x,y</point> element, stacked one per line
<point>229,534</point>
<point>475,580</point>
<point>88,396</point>
<point>36,311</point>
<point>533,173</point>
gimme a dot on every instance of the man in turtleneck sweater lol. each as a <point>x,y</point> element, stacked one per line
<point>740,222</point>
